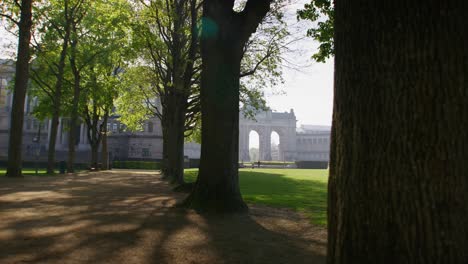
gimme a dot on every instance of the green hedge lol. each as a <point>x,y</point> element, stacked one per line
<point>312,164</point>
<point>274,163</point>
<point>139,165</point>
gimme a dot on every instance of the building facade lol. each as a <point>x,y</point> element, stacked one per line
<point>307,143</point>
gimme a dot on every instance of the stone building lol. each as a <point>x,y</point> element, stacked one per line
<point>307,143</point>
<point>304,143</point>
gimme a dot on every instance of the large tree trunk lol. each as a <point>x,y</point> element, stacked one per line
<point>175,128</point>
<point>224,35</point>
<point>19,93</point>
<point>217,187</point>
<point>398,187</point>
<point>165,168</point>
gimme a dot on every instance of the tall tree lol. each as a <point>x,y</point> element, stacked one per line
<point>169,40</point>
<point>54,33</point>
<point>62,29</point>
<point>98,46</point>
<point>224,35</point>
<point>21,83</point>
<point>398,173</point>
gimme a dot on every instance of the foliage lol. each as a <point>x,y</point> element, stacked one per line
<point>302,190</point>
<point>321,12</point>
<point>261,67</point>
<point>132,106</point>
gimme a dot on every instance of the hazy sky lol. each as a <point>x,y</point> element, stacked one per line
<point>308,89</point>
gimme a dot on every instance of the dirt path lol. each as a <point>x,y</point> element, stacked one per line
<point>129,217</point>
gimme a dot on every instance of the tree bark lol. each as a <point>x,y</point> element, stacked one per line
<point>105,153</point>
<point>165,168</point>
<point>96,129</point>
<point>19,93</point>
<point>52,142</point>
<point>398,186</point>
<point>224,35</point>
<point>95,156</point>
<point>175,129</point>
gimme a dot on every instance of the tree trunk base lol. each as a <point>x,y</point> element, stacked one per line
<point>208,202</point>
<point>14,173</point>
<point>184,187</point>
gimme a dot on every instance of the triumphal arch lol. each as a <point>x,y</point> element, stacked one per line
<point>265,123</point>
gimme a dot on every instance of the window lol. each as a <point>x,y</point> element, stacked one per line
<point>145,152</point>
<point>108,127</point>
<point>114,127</point>
<point>150,127</point>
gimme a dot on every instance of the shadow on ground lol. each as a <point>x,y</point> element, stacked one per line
<point>129,217</point>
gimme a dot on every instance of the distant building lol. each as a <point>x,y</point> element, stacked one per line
<point>307,143</point>
<point>295,144</point>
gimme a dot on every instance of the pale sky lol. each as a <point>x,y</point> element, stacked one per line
<point>308,90</point>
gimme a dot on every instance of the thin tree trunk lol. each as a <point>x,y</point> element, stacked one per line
<point>52,142</point>
<point>105,153</point>
<point>19,93</point>
<point>95,156</point>
<point>74,112</point>
<point>57,102</point>
<point>398,186</point>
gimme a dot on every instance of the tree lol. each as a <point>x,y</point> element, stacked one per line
<point>224,35</point>
<point>398,173</point>
<point>21,83</point>
<point>167,35</point>
<point>61,25</point>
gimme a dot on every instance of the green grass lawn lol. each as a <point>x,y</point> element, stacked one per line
<point>27,172</point>
<point>299,189</point>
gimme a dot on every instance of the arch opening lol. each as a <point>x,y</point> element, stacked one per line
<point>275,143</point>
<point>254,146</point>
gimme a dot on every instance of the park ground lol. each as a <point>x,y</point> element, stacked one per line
<point>130,217</point>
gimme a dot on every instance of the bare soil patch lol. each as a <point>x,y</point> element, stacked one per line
<point>130,217</point>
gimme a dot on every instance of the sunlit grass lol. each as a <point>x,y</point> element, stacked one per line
<point>298,189</point>
<point>28,172</point>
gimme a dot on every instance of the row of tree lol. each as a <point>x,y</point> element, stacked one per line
<point>398,185</point>
<point>142,57</point>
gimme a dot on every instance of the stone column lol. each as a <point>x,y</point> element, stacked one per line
<point>267,145</point>
<point>243,144</point>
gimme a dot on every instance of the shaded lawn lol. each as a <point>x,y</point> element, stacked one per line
<point>303,190</point>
